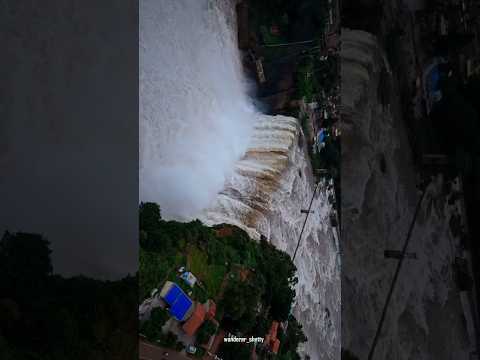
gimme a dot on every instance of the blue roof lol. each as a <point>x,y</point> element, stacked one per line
<point>435,79</point>
<point>179,302</point>
<point>321,136</point>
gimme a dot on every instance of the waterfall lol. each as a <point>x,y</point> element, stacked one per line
<point>207,153</point>
<point>195,115</point>
<point>269,187</point>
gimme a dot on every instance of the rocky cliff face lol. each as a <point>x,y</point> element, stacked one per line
<point>269,187</point>
<point>425,318</point>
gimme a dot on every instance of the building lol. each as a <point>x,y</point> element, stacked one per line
<point>180,305</point>
<point>196,320</point>
<point>211,310</point>
<point>271,341</point>
<point>189,278</point>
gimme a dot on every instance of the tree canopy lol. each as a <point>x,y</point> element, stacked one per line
<point>253,281</point>
<point>45,316</point>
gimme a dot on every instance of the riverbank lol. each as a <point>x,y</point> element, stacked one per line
<point>297,74</point>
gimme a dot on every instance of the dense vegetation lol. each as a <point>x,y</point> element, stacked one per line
<point>298,21</point>
<point>290,340</point>
<point>152,329</point>
<point>45,316</point>
<point>206,331</point>
<point>315,75</point>
<point>251,282</point>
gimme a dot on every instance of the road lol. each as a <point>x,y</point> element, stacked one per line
<point>153,352</point>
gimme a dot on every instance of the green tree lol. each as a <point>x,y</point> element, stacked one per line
<point>207,329</point>
<point>278,271</point>
<point>234,300</point>
<point>150,216</point>
<point>151,332</point>
<point>235,351</point>
<point>159,316</point>
<point>25,265</point>
<point>293,337</point>
<point>169,340</point>
<point>6,353</point>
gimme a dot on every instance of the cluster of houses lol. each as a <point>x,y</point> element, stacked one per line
<point>454,17</point>
<point>192,314</point>
<point>322,119</point>
<point>189,315</point>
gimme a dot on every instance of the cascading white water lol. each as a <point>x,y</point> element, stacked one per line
<point>270,185</point>
<point>195,116</point>
<point>205,152</point>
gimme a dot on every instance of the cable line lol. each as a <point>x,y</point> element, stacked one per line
<point>290,43</point>
<point>306,218</point>
<point>395,277</point>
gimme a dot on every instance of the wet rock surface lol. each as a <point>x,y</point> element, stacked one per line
<point>379,195</point>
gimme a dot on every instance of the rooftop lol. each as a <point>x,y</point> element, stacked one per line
<point>180,304</point>
<point>195,321</point>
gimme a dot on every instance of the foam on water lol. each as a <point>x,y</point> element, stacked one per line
<point>195,115</point>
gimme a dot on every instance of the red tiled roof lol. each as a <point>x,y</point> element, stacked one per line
<point>275,346</point>
<point>195,321</point>
<point>273,330</point>
<point>212,310</point>
<point>271,340</point>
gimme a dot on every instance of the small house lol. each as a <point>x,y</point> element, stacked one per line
<point>271,341</point>
<point>189,278</point>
